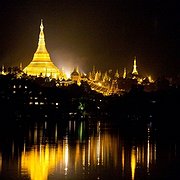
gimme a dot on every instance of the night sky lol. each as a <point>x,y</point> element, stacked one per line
<point>107,34</point>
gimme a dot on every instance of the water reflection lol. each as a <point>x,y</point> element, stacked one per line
<point>133,162</point>
<point>89,150</point>
<point>0,162</point>
<point>38,162</point>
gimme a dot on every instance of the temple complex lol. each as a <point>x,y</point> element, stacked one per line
<point>41,65</point>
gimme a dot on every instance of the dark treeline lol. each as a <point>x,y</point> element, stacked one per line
<point>23,99</point>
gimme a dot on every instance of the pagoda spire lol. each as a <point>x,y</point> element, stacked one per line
<point>135,72</point>
<point>124,73</point>
<point>41,43</point>
<point>116,74</point>
<point>20,66</point>
<point>2,69</point>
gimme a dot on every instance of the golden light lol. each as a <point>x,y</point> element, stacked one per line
<point>65,154</point>
<point>99,84</point>
<point>101,149</point>
<point>39,162</point>
<point>123,159</point>
<point>68,74</point>
<point>140,80</point>
<point>133,162</point>
<point>67,70</point>
<point>150,79</point>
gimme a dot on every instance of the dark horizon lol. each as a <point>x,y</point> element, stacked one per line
<point>86,33</point>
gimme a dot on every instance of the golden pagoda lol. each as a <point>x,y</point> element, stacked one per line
<point>41,65</point>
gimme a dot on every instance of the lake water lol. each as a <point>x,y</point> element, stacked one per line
<point>88,149</point>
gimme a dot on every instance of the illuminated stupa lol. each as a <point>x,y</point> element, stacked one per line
<point>41,65</point>
<point>135,72</point>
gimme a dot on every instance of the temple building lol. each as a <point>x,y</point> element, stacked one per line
<point>41,65</point>
<point>75,76</point>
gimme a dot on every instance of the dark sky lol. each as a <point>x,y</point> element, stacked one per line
<point>107,34</point>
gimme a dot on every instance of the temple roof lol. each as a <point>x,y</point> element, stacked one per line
<point>75,72</point>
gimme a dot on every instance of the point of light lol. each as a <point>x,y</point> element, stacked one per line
<point>150,79</point>
<point>99,84</point>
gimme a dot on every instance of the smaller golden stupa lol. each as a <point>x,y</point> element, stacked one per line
<point>135,72</point>
<point>41,65</point>
<point>75,76</point>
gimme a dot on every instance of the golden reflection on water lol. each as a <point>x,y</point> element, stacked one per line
<point>123,160</point>
<point>0,161</point>
<point>101,148</point>
<point>133,162</point>
<point>39,161</point>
